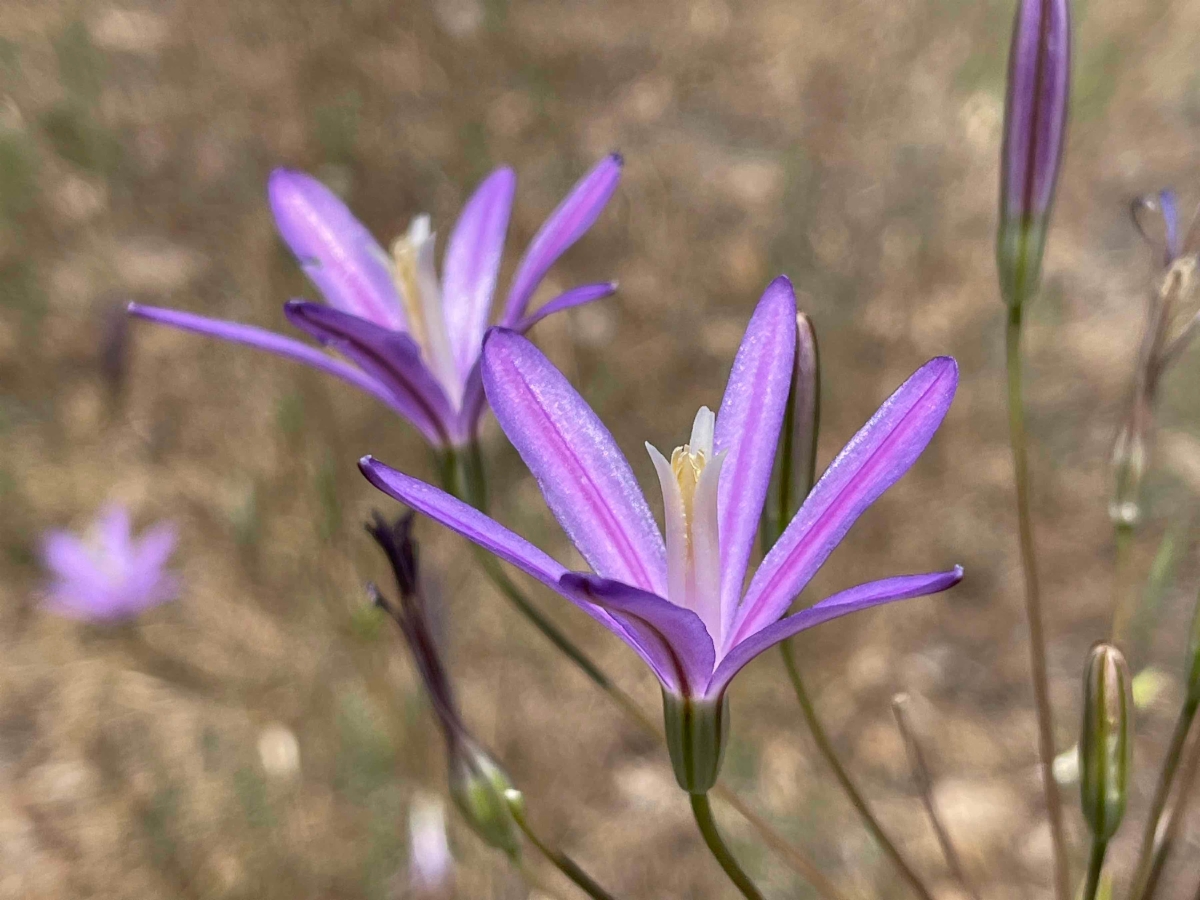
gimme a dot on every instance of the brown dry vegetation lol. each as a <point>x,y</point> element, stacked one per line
<point>851,145</point>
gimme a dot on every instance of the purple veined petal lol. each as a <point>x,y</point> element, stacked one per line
<point>747,431</point>
<point>68,558</point>
<point>115,536</point>
<point>335,250</point>
<point>1039,72</point>
<point>567,224</point>
<point>584,476</point>
<point>472,263</point>
<point>670,639</point>
<point>391,357</point>
<point>864,596</point>
<point>473,404</point>
<point>873,461</point>
<point>480,529</point>
<point>301,353</point>
<point>577,296</point>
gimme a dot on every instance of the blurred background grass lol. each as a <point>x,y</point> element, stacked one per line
<point>852,146</point>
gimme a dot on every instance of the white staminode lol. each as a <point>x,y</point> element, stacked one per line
<point>415,274</point>
<point>689,487</point>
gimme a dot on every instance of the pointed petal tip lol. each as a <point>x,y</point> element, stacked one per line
<point>617,158</point>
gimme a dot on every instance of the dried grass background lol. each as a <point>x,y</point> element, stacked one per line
<point>851,145</point>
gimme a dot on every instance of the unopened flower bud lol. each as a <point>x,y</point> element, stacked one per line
<point>481,791</point>
<point>1035,118</point>
<point>696,730</point>
<point>1104,746</point>
<point>1128,466</point>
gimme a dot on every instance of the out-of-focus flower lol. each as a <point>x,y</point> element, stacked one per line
<point>478,786</point>
<point>430,864</point>
<point>1104,745</point>
<point>108,575</point>
<point>1035,120</point>
<point>680,604</point>
<point>412,340</point>
<point>1171,324</point>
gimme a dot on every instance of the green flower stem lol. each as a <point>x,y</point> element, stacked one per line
<point>1095,866</point>
<point>825,745</point>
<point>1170,831</point>
<point>1162,790</point>
<point>1033,602</point>
<point>1124,592</point>
<point>463,476</point>
<point>708,828</point>
<point>560,860</point>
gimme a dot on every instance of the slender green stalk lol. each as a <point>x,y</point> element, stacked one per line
<point>1095,866</point>
<point>1033,602</point>
<point>708,828</point>
<point>1170,830</point>
<point>1123,587</point>
<point>558,858</point>
<point>847,783</point>
<point>1162,790</point>
<point>463,476</point>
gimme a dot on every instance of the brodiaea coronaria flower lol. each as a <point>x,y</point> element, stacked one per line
<point>108,575</point>
<point>680,603</point>
<point>410,339</point>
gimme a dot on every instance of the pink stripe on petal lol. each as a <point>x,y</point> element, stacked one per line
<point>584,476</point>
<point>864,596</point>
<point>567,224</point>
<point>472,263</point>
<point>875,459</point>
<point>670,639</point>
<point>747,431</point>
<point>335,250</point>
<point>299,352</point>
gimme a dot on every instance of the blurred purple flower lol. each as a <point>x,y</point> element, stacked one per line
<point>680,604</point>
<point>411,340</point>
<point>1035,122</point>
<point>109,575</point>
<point>430,863</point>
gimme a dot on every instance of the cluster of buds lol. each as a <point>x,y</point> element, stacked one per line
<point>479,787</point>
<point>1171,323</point>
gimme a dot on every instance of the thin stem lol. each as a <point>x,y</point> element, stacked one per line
<point>1033,603</point>
<point>1162,790</point>
<point>464,479</point>
<point>798,862</point>
<point>1170,830</point>
<point>1095,866</point>
<point>843,776</point>
<point>558,858</point>
<point>924,782</point>
<point>708,828</point>
<point>1123,587</point>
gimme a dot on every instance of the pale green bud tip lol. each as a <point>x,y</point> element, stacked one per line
<point>1104,746</point>
<point>1193,683</point>
<point>484,795</point>
<point>697,729</point>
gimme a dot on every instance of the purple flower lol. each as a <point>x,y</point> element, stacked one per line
<point>679,603</point>
<point>412,340</point>
<point>108,575</point>
<point>1035,120</point>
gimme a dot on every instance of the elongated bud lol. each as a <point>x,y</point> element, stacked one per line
<point>1193,660</point>
<point>482,790</point>
<point>1104,746</point>
<point>697,730</point>
<point>795,460</point>
<point>1128,465</point>
<point>1035,119</point>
